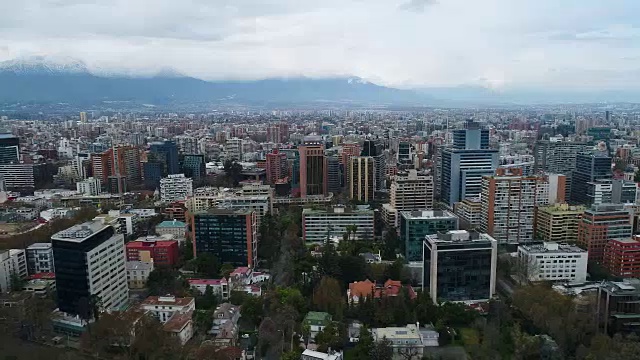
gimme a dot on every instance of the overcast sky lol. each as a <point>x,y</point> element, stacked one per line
<point>567,44</point>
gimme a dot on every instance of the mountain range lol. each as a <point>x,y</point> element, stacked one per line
<point>40,80</point>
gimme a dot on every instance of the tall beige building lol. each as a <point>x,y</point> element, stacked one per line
<point>362,178</point>
<point>410,190</point>
<point>558,223</point>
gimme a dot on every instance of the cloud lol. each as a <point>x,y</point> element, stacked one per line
<point>493,43</point>
<point>416,5</point>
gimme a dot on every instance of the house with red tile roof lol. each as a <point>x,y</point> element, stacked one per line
<point>391,288</point>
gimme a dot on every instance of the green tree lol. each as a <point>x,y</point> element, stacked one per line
<point>391,244</point>
<point>16,282</point>
<point>328,297</point>
<point>164,281</point>
<point>151,342</point>
<point>225,270</point>
<point>207,265</point>
<point>233,171</point>
<point>253,309</point>
<point>332,336</point>
<point>381,350</point>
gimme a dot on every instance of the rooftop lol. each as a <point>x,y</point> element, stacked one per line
<point>139,265</point>
<point>167,300</point>
<point>43,246</point>
<point>207,282</point>
<point>408,332</point>
<point>552,247</point>
<point>562,209</point>
<point>427,214</point>
<point>171,224</point>
<point>458,236</point>
<point>338,210</point>
<point>149,243</point>
<point>177,322</point>
<point>79,233</point>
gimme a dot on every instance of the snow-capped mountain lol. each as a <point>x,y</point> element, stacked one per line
<point>44,65</point>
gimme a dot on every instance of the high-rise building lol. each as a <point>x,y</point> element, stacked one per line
<point>557,223</point>
<point>334,174</point>
<point>348,150</point>
<point>230,235</point>
<point>89,262</point>
<point>465,163</point>
<point>126,163</point>
<point>102,165</point>
<point>362,178</point>
<point>90,186</point>
<point>193,166</point>
<point>558,156</point>
<point>9,149</point>
<point>590,167</point>
<point>83,117</point>
<point>416,224</point>
<point>19,176</point>
<point>313,167</point>
<point>321,225</point>
<point>187,144</point>
<point>508,205</point>
<point>233,149</point>
<point>600,224</point>
<point>276,166</point>
<point>166,152</point>
<point>374,148</point>
<point>470,212</point>
<point>410,190</point>
<point>460,266</point>
<point>611,191</point>
<point>175,187</point>
<point>405,155</point>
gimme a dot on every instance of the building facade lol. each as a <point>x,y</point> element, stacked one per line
<point>558,223</point>
<point>89,260</point>
<point>460,266</point>
<point>601,224</point>
<point>362,178</point>
<point>415,225</point>
<point>551,261</point>
<point>90,186</point>
<point>622,257</point>
<point>590,167</point>
<point>175,187</point>
<point>163,253</point>
<point>40,258</point>
<point>230,235</point>
<point>321,225</point>
<point>313,167</point>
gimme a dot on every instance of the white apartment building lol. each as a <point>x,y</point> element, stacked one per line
<point>90,186</point>
<point>175,187</point>
<point>100,250</point>
<point>233,149</point>
<point>19,259</point>
<point>320,225</point>
<point>411,190</point>
<point>18,176</point>
<point>207,198</point>
<point>40,258</point>
<point>407,341</point>
<point>6,270</point>
<point>551,261</point>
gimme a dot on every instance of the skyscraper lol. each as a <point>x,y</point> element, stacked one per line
<point>465,163</point>
<point>89,261</point>
<point>193,166</point>
<point>557,156</point>
<point>167,153</point>
<point>362,178</point>
<point>374,149</point>
<point>334,174</point>
<point>102,166</point>
<point>313,167</point>
<point>590,167</point>
<point>126,163</point>
<point>276,166</point>
<point>602,223</point>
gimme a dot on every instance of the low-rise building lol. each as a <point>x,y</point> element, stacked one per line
<point>619,306</point>
<point>317,355</point>
<point>138,273</point>
<point>174,227</point>
<point>40,287</point>
<point>163,253</point>
<point>316,321</point>
<point>407,342</point>
<point>225,324</point>
<point>551,261</point>
<point>174,313</point>
<point>220,287</point>
<point>391,288</point>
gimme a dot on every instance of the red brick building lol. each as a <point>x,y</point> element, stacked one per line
<point>601,224</point>
<point>276,166</point>
<point>163,252</point>
<point>622,257</point>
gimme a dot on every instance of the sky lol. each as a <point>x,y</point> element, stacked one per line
<point>498,44</point>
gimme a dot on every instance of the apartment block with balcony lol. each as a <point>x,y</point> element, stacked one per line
<point>558,223</point>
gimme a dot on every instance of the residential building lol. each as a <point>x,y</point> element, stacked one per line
<point>551,261</point>
<point>590,167</point>
<point>40,258</point>
<point>163,253</point>
<point>233,149</point>
<point>187,144</point>
<point>460,266</point>
<point>276,166</point>
<point>9,149</point>
<point>622,257</point>
<point>7,270</point>
<point>415,225</point>
<point>19,259</point>
<point>230,235</point>
<point>600,224</point>
<point>557,155</point>
<point>175,187</point>
<point>173,227</point>
<point>508,205</point>
<point>126,164</point>
<point>138,273</point>
<point>469,211</point>
<point>175,210</point>
<point>225,324</point>
<point>410,190</point>
<point>18,176</point>
<point>174,313</point>
<point>465,163</point>
<point>313,167</point>
<point>374,149</point>
<point>320,225</point>
<point>89,261</point>
<point>317,355</point>
<point>406,341</point>
<point>220,287</point>
<point>90,186</point>
<point>334,174</point>
<point>316,321</point>
<point>362,289</point>
<point>362,178</point>
<point>207,198</point>
<point>102,165</point>
<point>557,223</point>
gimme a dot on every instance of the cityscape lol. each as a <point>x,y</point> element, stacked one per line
<point>381,180</point>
